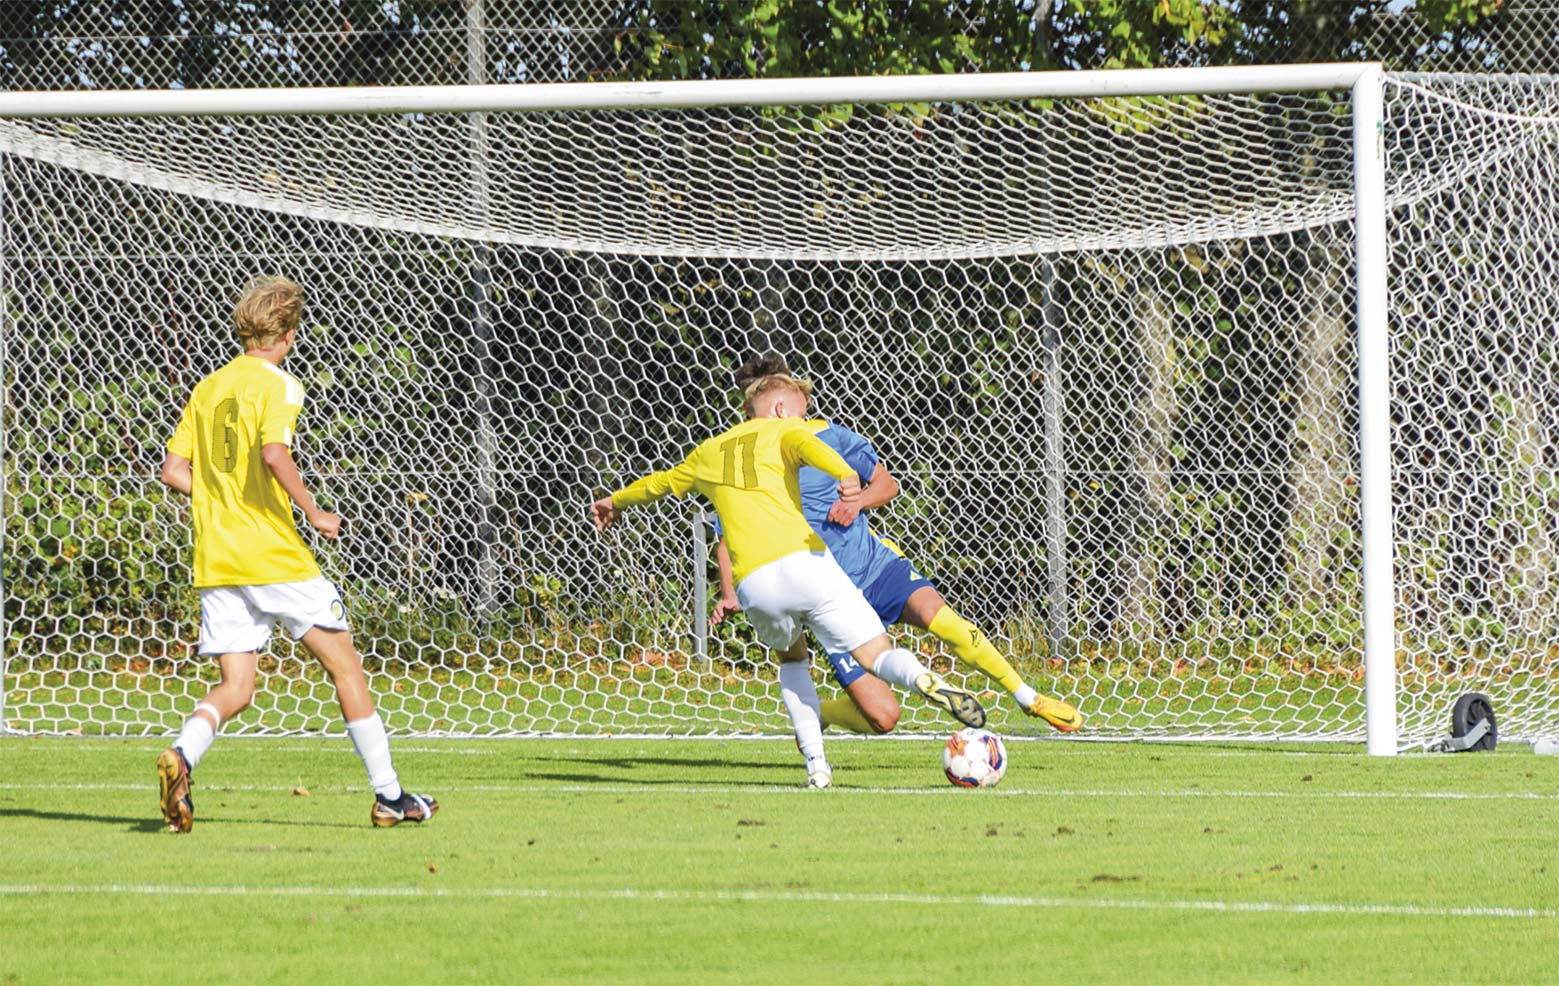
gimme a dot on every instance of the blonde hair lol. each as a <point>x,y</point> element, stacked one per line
<point>270,308</point>
<point>777,381</point>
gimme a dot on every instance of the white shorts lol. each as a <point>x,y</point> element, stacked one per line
<point>807,590</point>
<point>238,618</point>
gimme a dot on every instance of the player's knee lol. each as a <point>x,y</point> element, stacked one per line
<point>882,720</point>
<point>239,698</point>
<point>343,667</point>
<point>334,651</point>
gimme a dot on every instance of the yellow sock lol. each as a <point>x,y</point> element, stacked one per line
<point>971,645</point>
<point>845,714</point>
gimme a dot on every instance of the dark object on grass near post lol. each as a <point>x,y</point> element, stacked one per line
<point>1472,726</point>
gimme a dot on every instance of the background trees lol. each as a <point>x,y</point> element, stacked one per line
<point>110,44</point>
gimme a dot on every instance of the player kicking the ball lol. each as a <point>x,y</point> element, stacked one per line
<point>784,576</point>
<point>890,583</point>
<point>232,455</point>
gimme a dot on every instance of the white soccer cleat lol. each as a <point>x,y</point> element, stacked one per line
<point>959,701</point>
<point>819,777</point>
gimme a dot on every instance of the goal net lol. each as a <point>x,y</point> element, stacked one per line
<point>1107,345</point>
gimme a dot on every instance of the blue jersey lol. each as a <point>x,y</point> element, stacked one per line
<point>855,548</point>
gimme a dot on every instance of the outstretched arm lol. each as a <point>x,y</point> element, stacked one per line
<point>882,488</point>
<point>278,459</point>
<point>604,513</point>
<point>677,481</point>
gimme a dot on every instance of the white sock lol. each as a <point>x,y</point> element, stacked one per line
<point>899,667</point>
<point>196,737</point>
<point>1025,696</point>
<point>806,712</point>
<point>373,746</point>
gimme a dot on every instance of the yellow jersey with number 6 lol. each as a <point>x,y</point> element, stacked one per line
<point>749,474</point>
<point>244,531</point>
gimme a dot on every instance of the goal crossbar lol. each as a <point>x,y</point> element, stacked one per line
<point>585,96</point>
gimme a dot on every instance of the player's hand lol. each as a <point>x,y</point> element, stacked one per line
<point>326,523</point>
<point>727,606</point>
<point>604,513</point>
<point>850,488</point>
<point>844,512</point>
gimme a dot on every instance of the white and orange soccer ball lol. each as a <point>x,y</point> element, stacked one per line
<point>974,758</point>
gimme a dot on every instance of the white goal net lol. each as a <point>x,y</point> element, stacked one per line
<point>1106,344</point>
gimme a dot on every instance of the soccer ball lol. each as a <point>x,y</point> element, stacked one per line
<point>974,758</point>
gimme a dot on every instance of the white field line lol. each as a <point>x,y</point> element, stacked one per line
<point>1052,746</point>
<point>783,896</point>
<point>1081,793</point>
<point>325,745</point>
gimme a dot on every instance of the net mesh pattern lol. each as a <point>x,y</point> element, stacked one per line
<point>1107,346</point>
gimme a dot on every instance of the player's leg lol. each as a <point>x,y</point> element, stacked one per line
<point>897,666</point>
<point>772,596</point>
<point>869,705</point>
<point>845,621</point>
<point>926,609</point>
<point>333,648</point>
<point>799,694</point>
<point>232,631</point>
<point>887,591</point>
<point>314,615</point>
<point>231,696</point>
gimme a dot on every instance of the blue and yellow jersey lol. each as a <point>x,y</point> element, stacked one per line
<point>749,474</point>
<point>859,552</point>
<point>857,548</point>
<point>244,531</point>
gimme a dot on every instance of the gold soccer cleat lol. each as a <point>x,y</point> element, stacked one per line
<point>178,808</point>
<point>1059,714</point>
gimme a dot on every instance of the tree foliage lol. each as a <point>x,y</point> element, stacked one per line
<point>671,39</point>
<point>115,44</point>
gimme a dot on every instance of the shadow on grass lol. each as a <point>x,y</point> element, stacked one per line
<point>155,824</point>
<point>629,763</point>
<point>1310,750</point>
<point>643,782</point>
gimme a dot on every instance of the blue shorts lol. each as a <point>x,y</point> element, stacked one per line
<point>887,593</point>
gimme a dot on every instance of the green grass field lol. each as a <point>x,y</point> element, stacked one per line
<point>701,861</point>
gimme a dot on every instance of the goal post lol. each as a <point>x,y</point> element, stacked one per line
<point>1203,463</point>
<point>1370,249</point>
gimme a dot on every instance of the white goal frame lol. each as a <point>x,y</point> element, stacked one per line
<point>1364,80</point>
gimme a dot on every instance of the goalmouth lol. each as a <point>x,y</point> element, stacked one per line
<point>1169,398</point>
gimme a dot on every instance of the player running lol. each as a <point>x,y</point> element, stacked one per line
<point>890,582</point>
<point>232,455</point>
<point>782,571</point>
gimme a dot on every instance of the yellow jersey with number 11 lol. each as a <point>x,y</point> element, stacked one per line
<point>244,531</point>
<point>749,474</point>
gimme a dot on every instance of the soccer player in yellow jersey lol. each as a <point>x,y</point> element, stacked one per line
<point>785,577</point>
<point>231,454</point>
<point>898,592</point>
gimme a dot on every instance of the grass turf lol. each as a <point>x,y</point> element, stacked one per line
<point>701,861</point>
